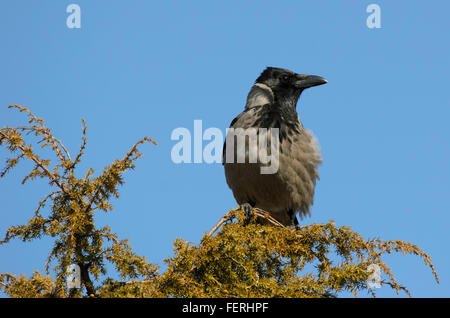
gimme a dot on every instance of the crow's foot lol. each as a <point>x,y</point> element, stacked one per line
<point>248,209</point>
<point>294,227</point>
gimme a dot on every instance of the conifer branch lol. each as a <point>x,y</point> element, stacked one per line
<point>31,156</point>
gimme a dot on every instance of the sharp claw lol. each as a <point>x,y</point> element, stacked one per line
<point>247,208</point>
<point>294,227</point>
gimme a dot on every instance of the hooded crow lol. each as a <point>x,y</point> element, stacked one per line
<point>270,113</point>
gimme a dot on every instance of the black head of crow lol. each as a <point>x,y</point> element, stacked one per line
<point>271,103</point>
<point>286,85</point>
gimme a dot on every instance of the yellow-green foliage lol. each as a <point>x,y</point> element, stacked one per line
<point>232,260</point>
<point>74,202</point>
<point>270,261</point>
<point>37,286</point>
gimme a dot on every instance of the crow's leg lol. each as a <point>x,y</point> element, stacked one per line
<point>294,221</point>
<point>248,209</point>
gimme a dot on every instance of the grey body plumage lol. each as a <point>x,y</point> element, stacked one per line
<point>271,103</point>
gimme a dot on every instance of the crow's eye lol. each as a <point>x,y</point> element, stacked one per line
<point>285,78</point>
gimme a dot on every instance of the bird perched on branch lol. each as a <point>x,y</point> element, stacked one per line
<point>286,187</point>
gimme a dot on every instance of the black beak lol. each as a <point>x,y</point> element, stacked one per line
<point>306,81</point>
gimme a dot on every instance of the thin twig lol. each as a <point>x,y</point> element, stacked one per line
<point>140,282</point>
<point>266,215</point>
<point>45,130</point>
<point>230,215</point>
<point>39,163</point>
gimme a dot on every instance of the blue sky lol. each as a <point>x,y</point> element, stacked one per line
<point>140,68</point>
